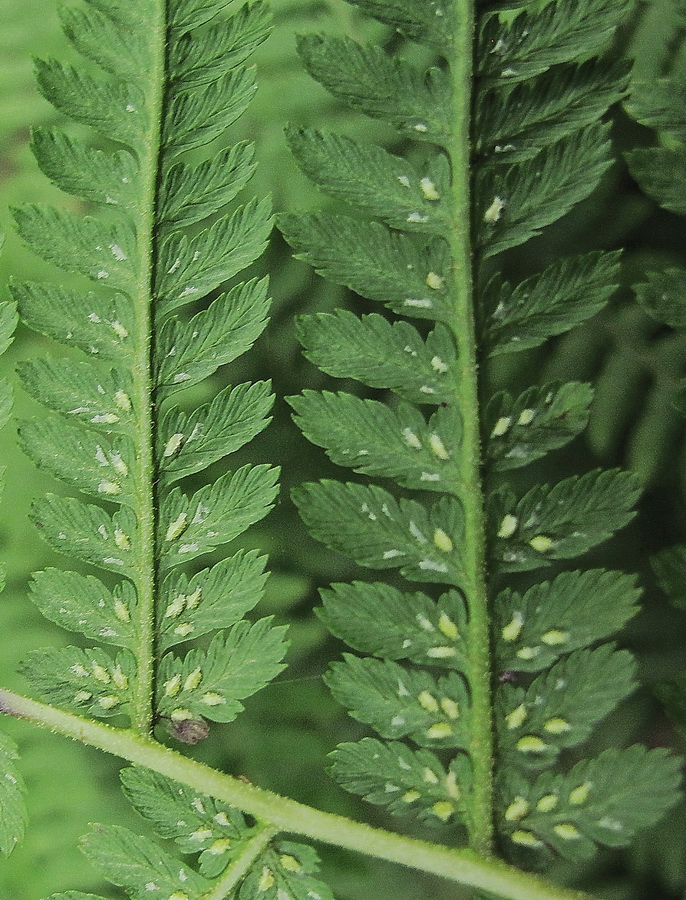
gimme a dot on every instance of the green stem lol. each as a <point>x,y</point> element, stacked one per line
<point>467,391</point>
<point>461,866</point>
<point>143,386</point>
<point>241,864</point>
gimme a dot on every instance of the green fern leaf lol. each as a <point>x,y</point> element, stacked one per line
<point>661,172</point>
<point>202,57</point>
<point>285,869</point>
<point>428,23</point>
<point>14,815</point>
<point>409,782</point>
<point>382,184</point>
<point>541,419</point>
<point>199,824</point>
<point>669,566</point>
<point>196,823</point>
<point>108,179</point>
<point>195,119</point>
<point>375,440</point>
<point>381,620</point>
<point>514,207</point>
<point>661,295</point>
<point>193,350</point>
<point>569,98</point>
<point>535,41</point>
<point>560,522</point>
<point>86,681</point>
<point>189,268</point>
<point>520,152</point>
<point>140,866</point>
<point>105,330</point>
<point>165,87</point>
<point>210,184</point>
<point>605,801</point>
<point>75,895</point>
<point>660,104</point>
<point>99,251</point>
<point>189,442</point>
<point>104,36</point>
<point>396,702</point>
<point>91,393</point>
<point>560,708</point>
<point>376,530</point>
<point>374,261</point>
<point>8,322</point>
<point>574,610</point>
<point>83,603</point>
<point>186,15</point>
<point>114,109</point>
<point>216,514</point>
<point>211,683</point>
<point>212,599</point>
<point>562,296</point>
<point>88,533</point>
<point>382,86</point>
<point>92,462</point>
<point>381,357</point>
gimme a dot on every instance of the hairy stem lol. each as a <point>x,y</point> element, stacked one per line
<point>242,863</point>
<point>461,866</point>
<point>143,385</point>
<point>467,390</point>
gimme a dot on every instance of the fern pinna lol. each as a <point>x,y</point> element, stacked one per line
<point>489,677</point>
<point>172,77</point>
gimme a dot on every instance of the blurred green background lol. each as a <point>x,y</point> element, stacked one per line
<point>282,739</point>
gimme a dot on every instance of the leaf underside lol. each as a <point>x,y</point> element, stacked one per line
<point>540,145</point>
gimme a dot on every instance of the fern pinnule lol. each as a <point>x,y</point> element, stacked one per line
<point>659,171</point>
<point>532,150</point>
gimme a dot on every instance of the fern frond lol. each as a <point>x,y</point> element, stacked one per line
<point>168,83</point>
<point>483,182</point>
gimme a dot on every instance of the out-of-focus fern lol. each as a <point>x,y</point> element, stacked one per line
<point>536,146</point>
<point>660,104</point>
<point>13,819</point>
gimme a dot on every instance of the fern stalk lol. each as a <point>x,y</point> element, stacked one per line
<point>460,866</point>
<point>467,399</point>
<point>142,371</point>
